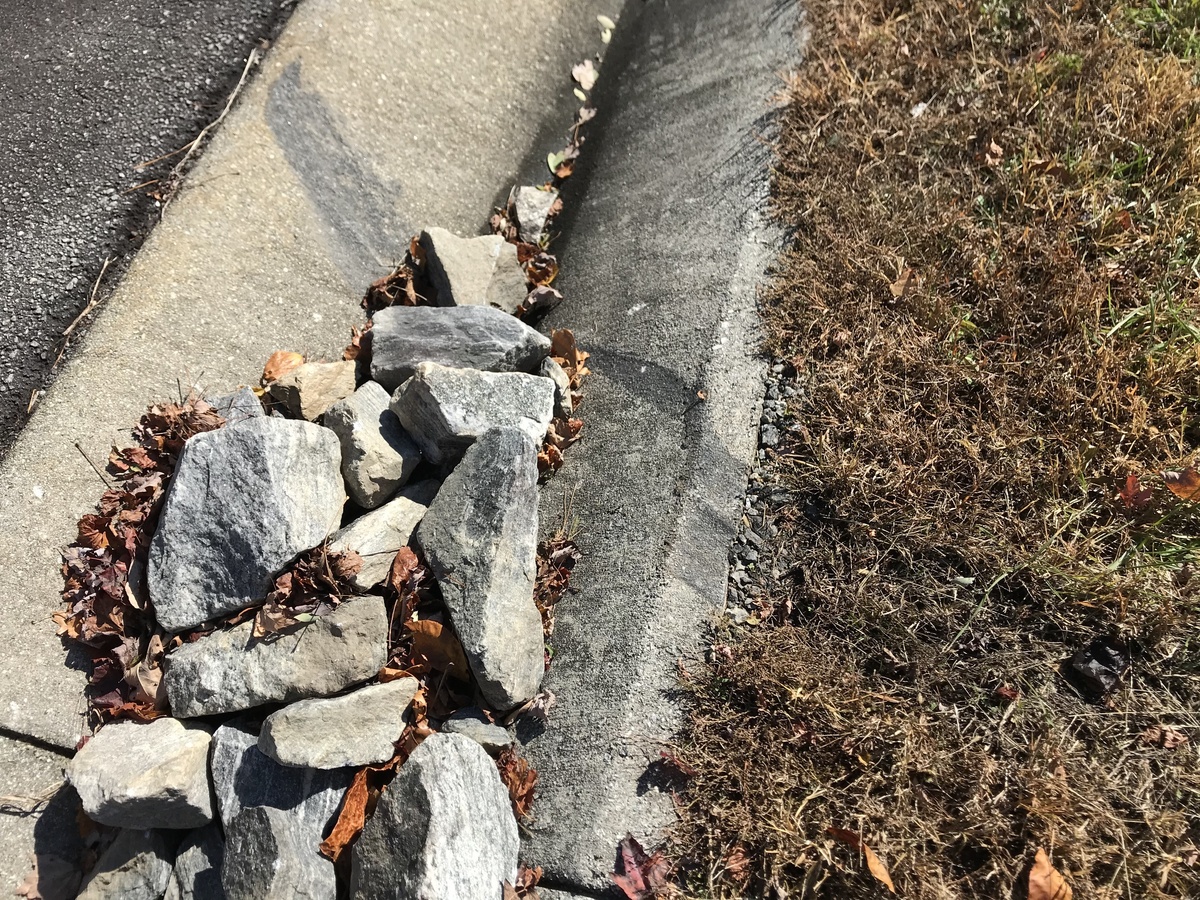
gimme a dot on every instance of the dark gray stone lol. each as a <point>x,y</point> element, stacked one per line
<point>531,205</point>
<point>356,729</point>
<point>446,409</point>
<point>379,535</point>
<point>378,456</point>
<point>564,403</point>
<point>443,830</point>
<point>472,337</point>
<point>474,271</point>
<point>243,503</point>
<point>136,866</point>
<point>238,406</point>
<point>227,671</point>
<point>152,775</point>
<point>473,724</point>
<point>311,388</point>
<point>479,539</point>
<point>269,856</point>
<point>197,873</point>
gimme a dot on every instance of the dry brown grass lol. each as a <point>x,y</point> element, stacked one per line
<point>955,462</point>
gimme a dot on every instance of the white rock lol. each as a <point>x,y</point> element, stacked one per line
<point>476,271</point>
<point>311,388</point>
<point>378,535</point>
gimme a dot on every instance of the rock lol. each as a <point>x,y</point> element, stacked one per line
<point>563,401</point>
<point>462,844</point>
<point>469,337</point>
<point>238,406</point>
<point>243,503</point>
<point>244,777</point>
<point>197,873</point>
<point>476,271</point>
<point>269,857</point>
<point>136,866</point>
<point>377,455</point>
<point>480,541</point>
<point>227,671</point>
<point>311,388</point>
<point>152,775</point>
<point>531,205</point>
<point>355,730</point>
<point>446,409</point>
<point>378,535</point>
<point>473,724</point>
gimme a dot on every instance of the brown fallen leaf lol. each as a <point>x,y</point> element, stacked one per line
<point>280,363</point>
<point>1045,881</point>
<point>350,820</point>
<point>874,864</point>
<point>438,646</point>
<point>1134,495</point>
<point>1184,484</point>
<point>640,875</point>
<point>1165,736</point>
<point>737,864</point>
<point>520,778</point>
<point>900,286</point>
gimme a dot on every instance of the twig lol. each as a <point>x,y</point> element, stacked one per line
<point>93,465</point>
<point>93,302</point>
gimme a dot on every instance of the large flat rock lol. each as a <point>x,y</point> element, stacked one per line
<point>660,265</point>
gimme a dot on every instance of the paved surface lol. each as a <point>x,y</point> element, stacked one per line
<point>37,812</point>
<point>662,257</point>
<point>89,89</point>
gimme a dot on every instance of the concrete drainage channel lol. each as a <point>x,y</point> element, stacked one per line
<point>663,242</point>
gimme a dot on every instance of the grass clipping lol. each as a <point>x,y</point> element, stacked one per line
<point>991,308</point>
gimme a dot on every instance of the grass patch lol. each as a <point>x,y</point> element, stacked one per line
<point>991,307</point>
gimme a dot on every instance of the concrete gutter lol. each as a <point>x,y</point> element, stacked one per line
<point>368,119</point>
<point>665,243</point>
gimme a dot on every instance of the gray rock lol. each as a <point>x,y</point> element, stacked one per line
<point>473,724</point>
<point>377,455</point>
<point>446,409</point>
<point>564,403</point>
<point>470,337</point>
<point>136,866</point>
<point>244,777</point>
<point>480,541</point>
<point>227,671</point>
<point>443,830</point>
<point>379,535</point>
<point>475,271</point>
<point>243,503</point>
<point>152,775</point>
<point>311,388</point>
<point>531,206</point>
<point>238,406</point>
<point>197,873</point>
<point>357,729</point>
<point>269,857</point>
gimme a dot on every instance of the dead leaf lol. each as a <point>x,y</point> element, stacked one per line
<point>737,864</point>
<point>542,269</point>
<point>1134,495</point>
<point>900,286</point>
<point>1184,484</point>
<point>994,155</point>
<point>585,74</point>
<point>520,778</point>
<point>874,863</point>
<point>639,875</point>
<point>439,646</point>
<point>280,363</point>
<point>1166,736</point>
<point>350,820</point>
<point>1045,882</point>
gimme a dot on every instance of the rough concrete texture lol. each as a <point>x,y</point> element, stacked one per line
<point>39,818</point>
<point>309,191</point>
<point>660,266</point>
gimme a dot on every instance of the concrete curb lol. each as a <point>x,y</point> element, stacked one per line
<point>665,244</point>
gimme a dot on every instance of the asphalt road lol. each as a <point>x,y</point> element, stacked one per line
<point>88,90</point>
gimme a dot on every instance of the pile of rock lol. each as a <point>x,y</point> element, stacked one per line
<point>437,449</point>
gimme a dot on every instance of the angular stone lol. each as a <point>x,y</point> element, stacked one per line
<point>244,777</point>
<point>238,406</point>
<point>311,388</point>
<point>473,724</point>
<point>475,271</point>
<point>136,866</point>
<point>531,206</point>
<point>268,857</point>
<point>197,873</point>
<point>357,729</point>
<point>227,671</point>
<point>378,456</point>
<point>379,535</point>
<point>469,337</point>
<point>564,403</point>
<point>152,775</point>
<point>443,830</point>
<point>446,409</point>
<point>480,541</point>
<point>243,503</point>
